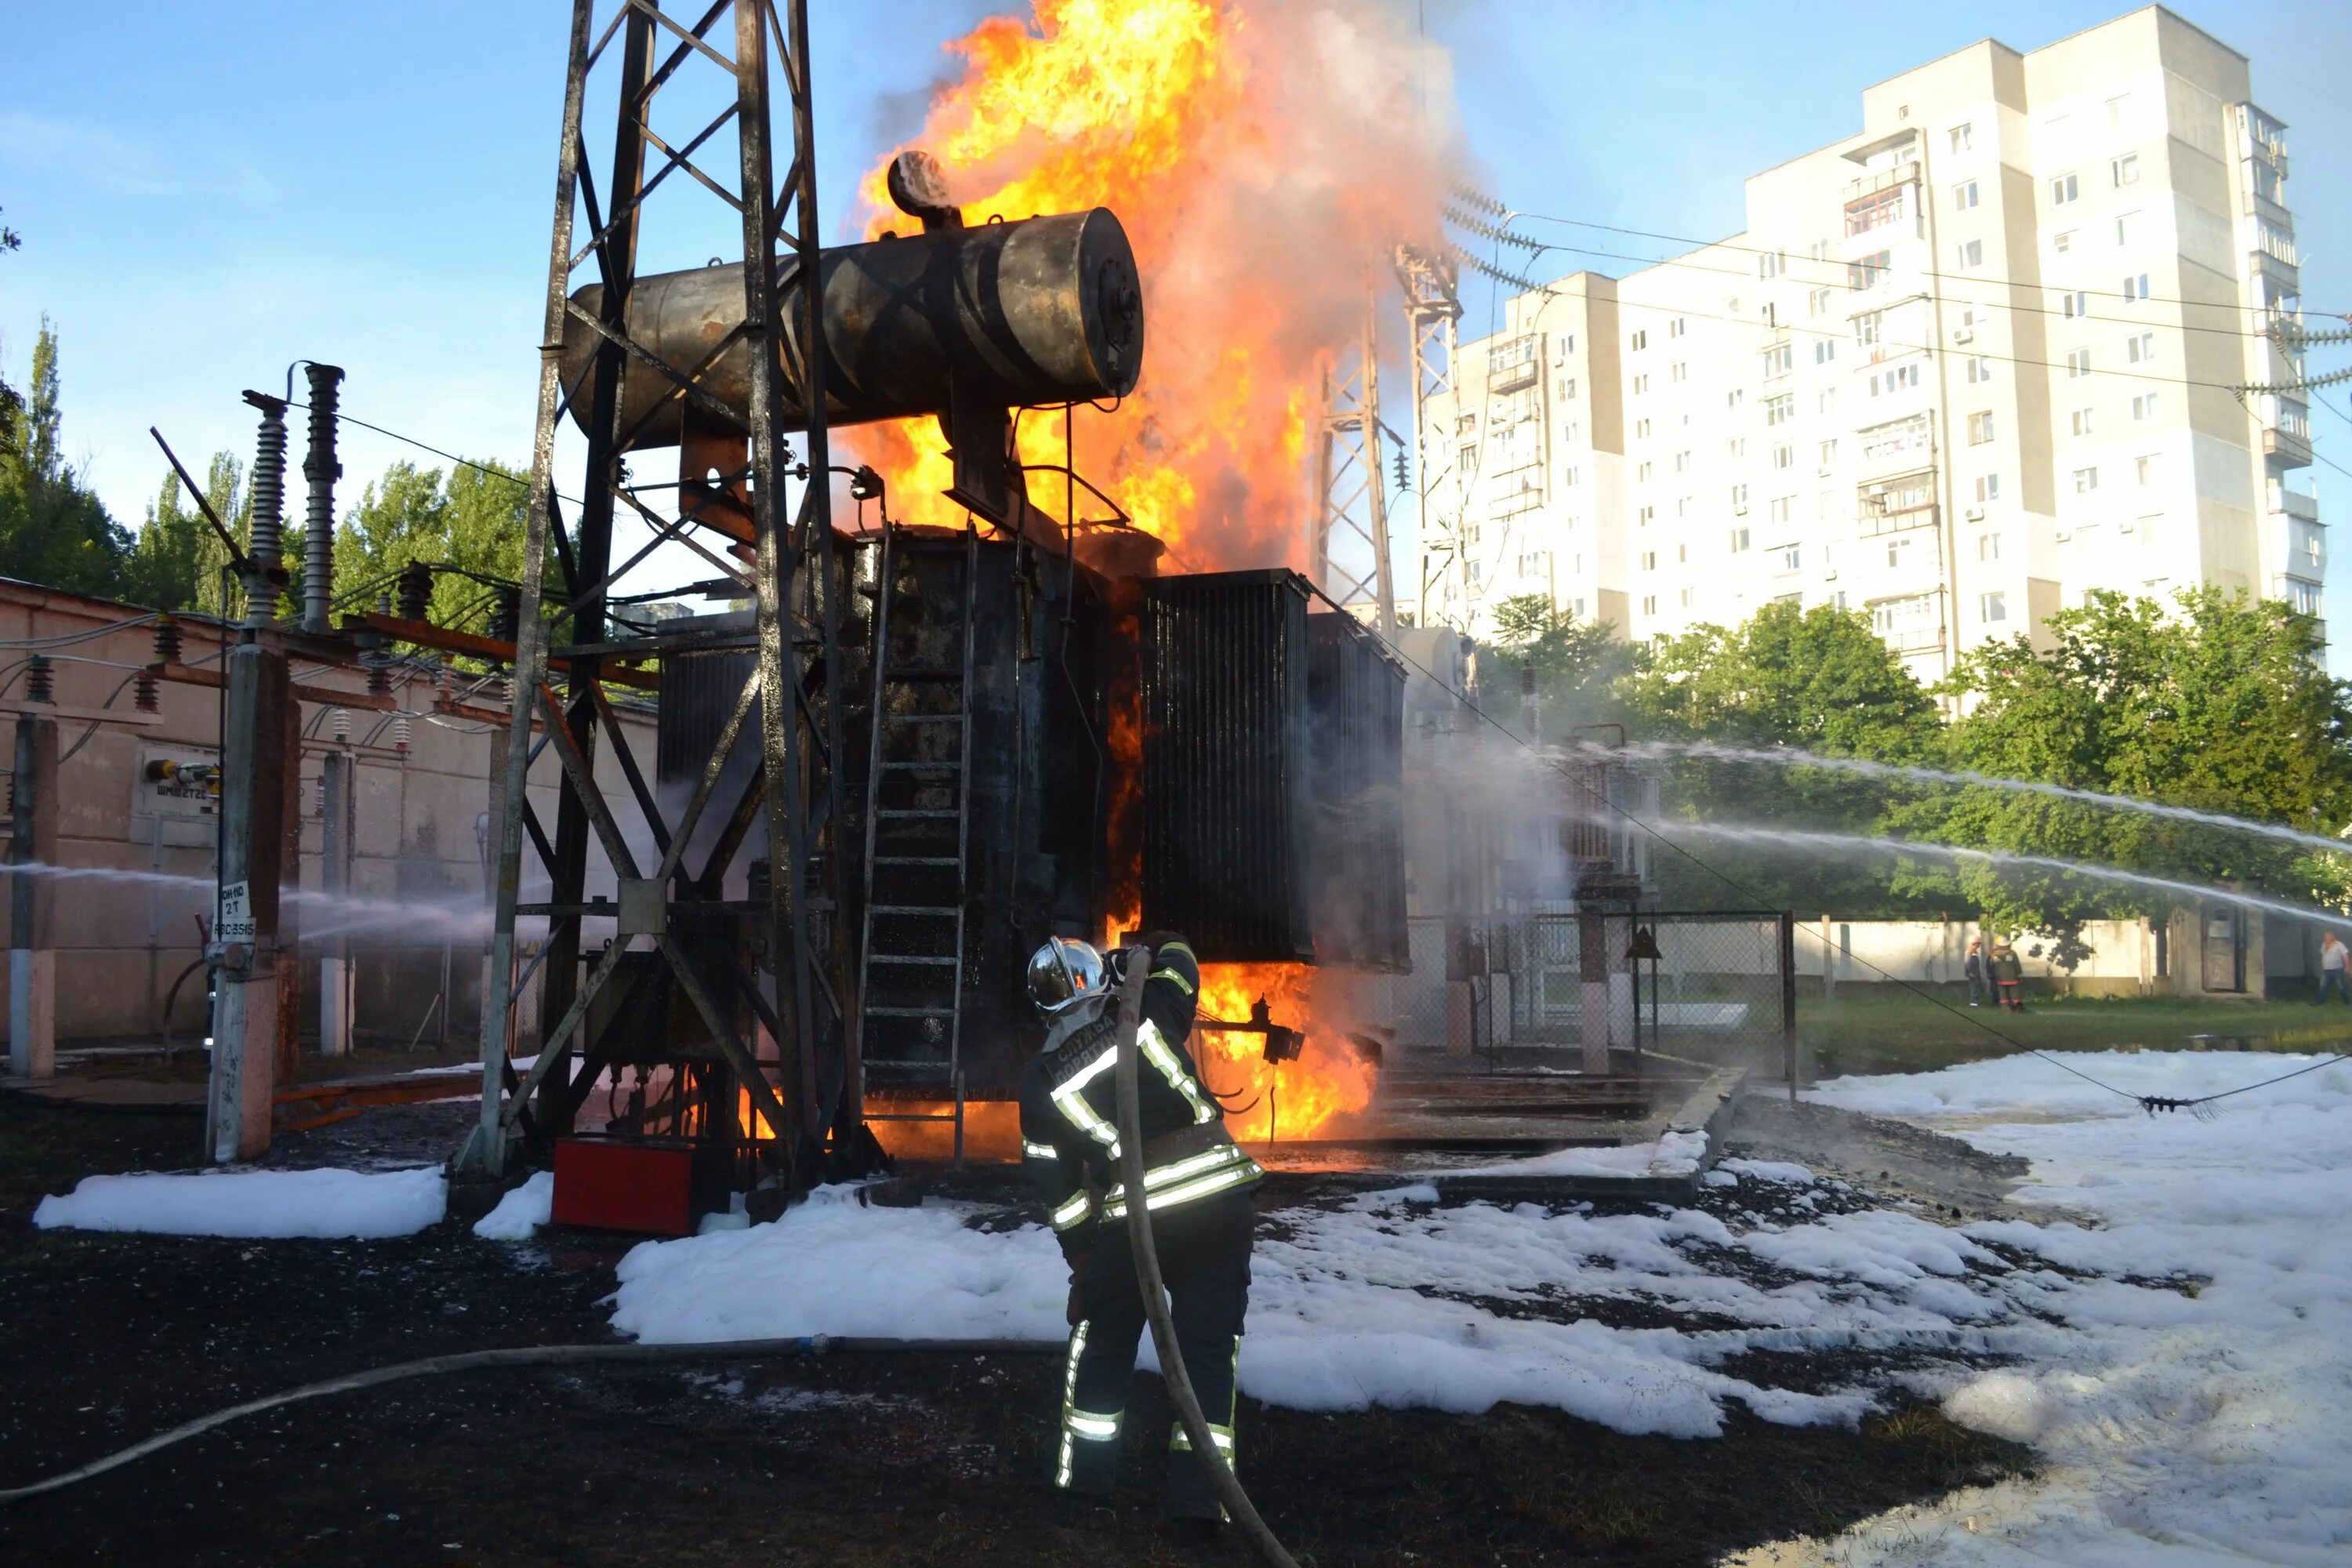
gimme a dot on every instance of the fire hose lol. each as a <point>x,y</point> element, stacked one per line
<point>1154,1292</point>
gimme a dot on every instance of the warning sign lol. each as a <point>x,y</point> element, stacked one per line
<point>236,914</point>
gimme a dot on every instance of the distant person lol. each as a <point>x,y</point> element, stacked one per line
<point>1980,982</point>
<point>2008,976</point>
<point>2332,954</point>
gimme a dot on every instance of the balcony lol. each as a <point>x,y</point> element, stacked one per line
<point>2294,503</point>
<point>2286,431</point>
<point>1863,187</point>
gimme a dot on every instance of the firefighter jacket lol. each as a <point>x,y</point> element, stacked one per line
<point>1070,1110</point>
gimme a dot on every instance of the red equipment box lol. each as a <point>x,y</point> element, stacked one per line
<point>625,1184</point>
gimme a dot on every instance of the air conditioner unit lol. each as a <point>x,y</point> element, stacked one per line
<point>1976,514</point>
<point>1740,511</point>
<point>1964,334</point>
<point>2063,535</point>
<point>1822,473</point>
<point>1830,575</point>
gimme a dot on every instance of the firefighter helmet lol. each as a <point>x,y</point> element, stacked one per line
<point>1064,973</point>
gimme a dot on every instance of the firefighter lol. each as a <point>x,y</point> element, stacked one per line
<point>1197,1185</point>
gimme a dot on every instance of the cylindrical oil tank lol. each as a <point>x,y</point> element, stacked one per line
<point>1034,311</point>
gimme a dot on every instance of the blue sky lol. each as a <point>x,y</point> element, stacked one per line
<point>208,192</point>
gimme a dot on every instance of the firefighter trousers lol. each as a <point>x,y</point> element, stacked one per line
<point>1204,1257</point>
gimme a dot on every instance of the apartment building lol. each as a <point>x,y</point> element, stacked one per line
<point>1961,370</point>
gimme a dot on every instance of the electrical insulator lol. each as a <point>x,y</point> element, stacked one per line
<point>1400,469</point>
<point>167,639</point>
<point>506,614</point>
<point>339,721</point>
<point>441,674</point>
<point>415,587</point>
<point>400,732</point>
<point>144,692</point>
<point>378,680</point>
<point>40,679</point>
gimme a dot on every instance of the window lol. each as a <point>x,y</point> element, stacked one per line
<point>2085,480</point>
<point>1681,462</point>
<point>1969,254</point>
<point>1964,196</point>
<point>1784,456</point>
<point>1568,389</point>
<point>1780,410</point>
<point>2144,406</point>
<point>1963,137</point>
<point>1896,378</point>
<point>1685,598</point>
<point>1992,607</point>
<point>2136,287</point>
<point>1641,383</point>
<point>1980,428</point>
<point>1826,507</point>
<point>1733,398</point>
<point>1739,498</point>
<point>2116,107</point>
<point>2076,303</point>
<point>1568,476</point>
<point>1647,513</point>
<point>1780,361</point>
<point>1739,540</point>
<point>1866,327</point>
<point>1988,487</point>
<point>1827,400</point>
<point>2062,241</point>
<point>2141,349</point>
<point>1871,271</point>
<point>1649,603</point>
<point>1641,429</point>
<point>1778,509</point>
<point>1649,561</point>
<point>1737,446</point>
<point>1642,474</point>
<point>1979,369</point>
<point>1681,505</point>
<point>1792,558</point>
<point>2147,470</point>
<point>1641,339</point>
<point>1469,459</point>
<point>2063,189</point>
<point>1678,326</point>
<point>1771,264</point>
<point>1989,546</point>
<point>1567,345</point>
<point>2125,168</point>
<point>1897,548</point>
<point>2304,596</point>
<point>1818,301</point>
<point>1824,350</point>
<point>1874,211</point>
<point>1829,453</point>
<point>2080,420</point>
<point>2078,363</point>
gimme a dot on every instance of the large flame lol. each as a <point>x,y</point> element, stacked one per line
<point>1301,1099</point>
<point>1263,155</point>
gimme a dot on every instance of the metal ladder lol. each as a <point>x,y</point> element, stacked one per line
<point>906,864</point>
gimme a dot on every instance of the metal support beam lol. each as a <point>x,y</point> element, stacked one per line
<point>338,821</point>
<point>245,1026</point>
<point>1432,308</point>
<point>1352,487</point>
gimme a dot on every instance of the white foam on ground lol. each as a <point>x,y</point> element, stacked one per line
<point>364,1205</point>
<point>521,1211</point>
<point>2206,1424</point>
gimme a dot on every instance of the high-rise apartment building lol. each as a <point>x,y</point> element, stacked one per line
<point>1960,370</point>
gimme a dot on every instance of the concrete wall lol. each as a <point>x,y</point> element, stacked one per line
<point>421,919</point>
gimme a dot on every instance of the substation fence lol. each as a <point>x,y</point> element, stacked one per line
<point>1709,985</point>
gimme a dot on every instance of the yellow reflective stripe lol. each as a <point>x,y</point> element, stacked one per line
<point>1072,1211</point>
<point>1093,1428</point>
<point>1172,975</point>
<point>1070,1099</point>
<point>1070,1392</point>
<point>1182,946</point>
<point>1155,1045</point>
<point>1181,1441</point>
<point>1156,1180</point>
<point>1216,1182</point>
<point>1039,1151</point>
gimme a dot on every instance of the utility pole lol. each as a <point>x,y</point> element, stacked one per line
<point>336,779</point>
<point>32,966</point>
<point>1351,490</point>
<point>252,1015</point>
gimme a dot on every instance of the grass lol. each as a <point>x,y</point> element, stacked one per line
<point>1889,1030</point>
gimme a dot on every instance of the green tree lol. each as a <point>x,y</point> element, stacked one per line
<point>175,562</point>
<point>1579,667</point>
<point>1818,680</point>
<point>53,529</point>
<point>2218,703</point>
<point>469,521</point>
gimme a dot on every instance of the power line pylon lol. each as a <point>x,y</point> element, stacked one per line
<point>1432,308</point>
<point>1351,490</point>
<point>796,668</point>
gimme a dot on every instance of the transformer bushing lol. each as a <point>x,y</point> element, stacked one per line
<point>320,470</point>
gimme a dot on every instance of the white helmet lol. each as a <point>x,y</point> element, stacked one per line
<point>1064,973</point>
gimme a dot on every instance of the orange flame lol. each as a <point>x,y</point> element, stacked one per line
<point>1264,156</point>
<point>1302,1099</point>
